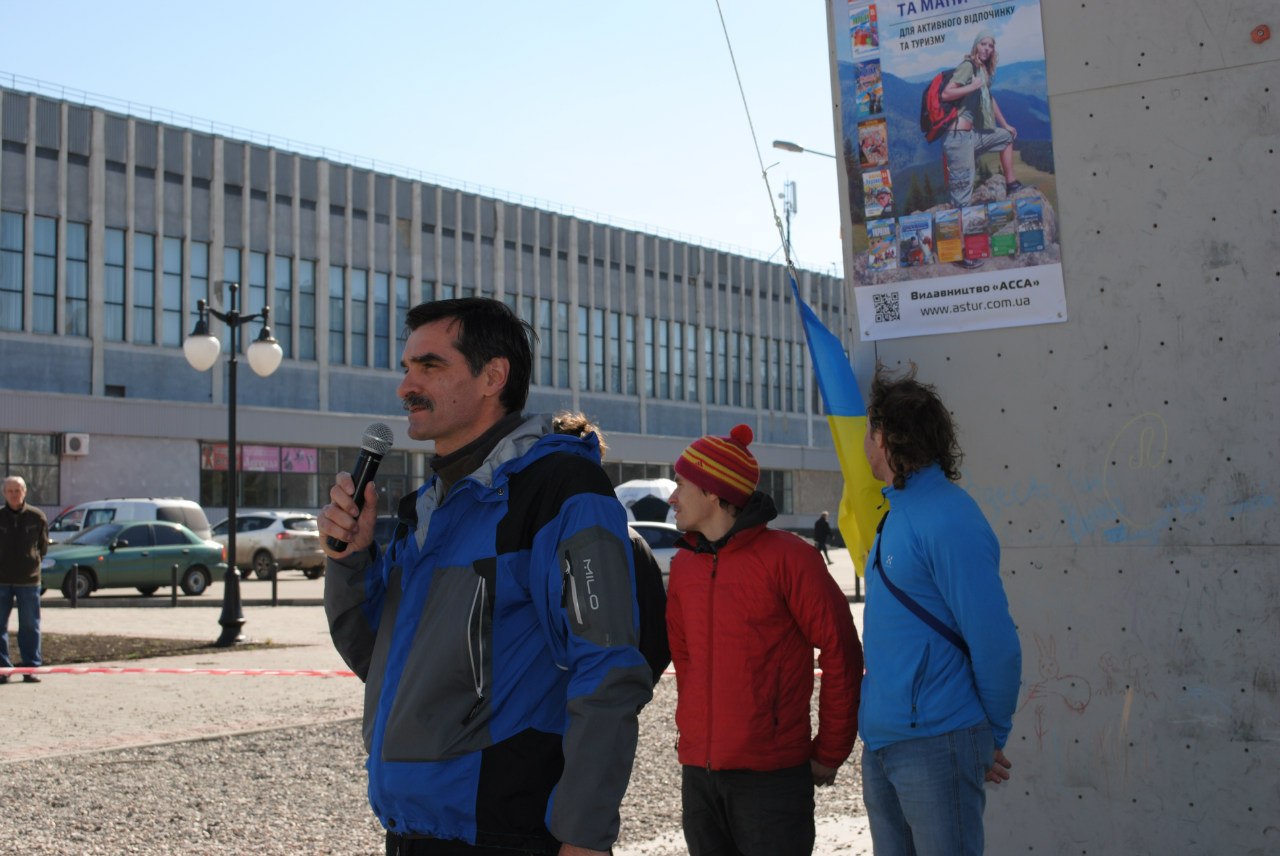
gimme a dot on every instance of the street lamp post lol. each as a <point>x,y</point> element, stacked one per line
<point>788,146</point>
<point>201,349</point>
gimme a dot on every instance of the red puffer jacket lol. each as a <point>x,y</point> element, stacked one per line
<point>744,616</point>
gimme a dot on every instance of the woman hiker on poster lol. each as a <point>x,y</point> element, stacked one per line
<point>979,127</point>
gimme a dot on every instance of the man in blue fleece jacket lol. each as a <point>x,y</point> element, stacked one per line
<point>942,654</point>
<point>496,631</point>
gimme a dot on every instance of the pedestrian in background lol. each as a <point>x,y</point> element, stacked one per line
<point>496,634</point>
<point>746,607</point>
<point>822,535</point>
<point>24,539</point>
<point>943,657</point>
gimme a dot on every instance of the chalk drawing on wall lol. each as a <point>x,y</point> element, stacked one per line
<point>1072,691</point>
<point>1129,675</point>
<point>1131,480</point>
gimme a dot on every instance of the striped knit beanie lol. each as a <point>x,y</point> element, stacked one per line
<point>722,465</point>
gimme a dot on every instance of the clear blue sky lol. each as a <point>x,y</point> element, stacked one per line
<point>627,109</point>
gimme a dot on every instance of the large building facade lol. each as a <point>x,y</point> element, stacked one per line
<point>113,226</point>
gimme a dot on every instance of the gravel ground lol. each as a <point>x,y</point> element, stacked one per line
<point>288,791</point>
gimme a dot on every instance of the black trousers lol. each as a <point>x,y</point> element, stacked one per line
<point>400,845</point>
<point>747,812</point>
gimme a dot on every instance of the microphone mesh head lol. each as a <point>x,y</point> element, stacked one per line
<point>377,438</point>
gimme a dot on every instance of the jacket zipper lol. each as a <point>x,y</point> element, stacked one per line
<point>476,652</point>
<point>711,649</point>
<point>573,587</point>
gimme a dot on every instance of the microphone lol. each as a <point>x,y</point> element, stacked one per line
<point>373,445</point>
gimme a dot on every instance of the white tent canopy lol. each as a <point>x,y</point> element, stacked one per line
<point>631,492</point>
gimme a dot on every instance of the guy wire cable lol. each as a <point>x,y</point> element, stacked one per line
<point>764,173</point>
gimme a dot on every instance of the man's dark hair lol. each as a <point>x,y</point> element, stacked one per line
<point>487,329</point>
<point>916,425</point>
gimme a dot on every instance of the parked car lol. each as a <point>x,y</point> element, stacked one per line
<point>661,538</point>
<point>263,538</point>
<point>133,555</point>
<point>86,515</point>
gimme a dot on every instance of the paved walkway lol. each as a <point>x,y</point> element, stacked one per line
<point>87,712</point>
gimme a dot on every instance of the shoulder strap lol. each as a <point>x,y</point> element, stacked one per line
<point>910,603</point>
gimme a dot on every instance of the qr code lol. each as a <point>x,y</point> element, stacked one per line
<point>886,307</point>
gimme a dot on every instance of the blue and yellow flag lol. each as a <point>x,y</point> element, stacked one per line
<point>861,504</point>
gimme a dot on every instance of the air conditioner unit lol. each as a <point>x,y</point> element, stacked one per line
<point>75,445</point>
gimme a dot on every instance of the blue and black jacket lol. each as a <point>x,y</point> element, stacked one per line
<point>496,636</point>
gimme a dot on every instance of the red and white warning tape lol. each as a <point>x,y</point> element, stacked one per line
<point>138,670</point>
<point>253,673</point>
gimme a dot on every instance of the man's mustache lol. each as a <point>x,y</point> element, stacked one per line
<point>412,401</point>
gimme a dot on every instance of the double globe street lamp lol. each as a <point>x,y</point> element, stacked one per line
<point>201,349</point>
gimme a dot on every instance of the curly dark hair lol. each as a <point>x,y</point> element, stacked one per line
<point>916,425</point>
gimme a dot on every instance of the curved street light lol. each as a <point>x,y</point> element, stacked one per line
<point>201,349</point>
<point>788,146</point>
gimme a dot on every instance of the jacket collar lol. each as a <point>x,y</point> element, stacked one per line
<point>755,515</point>
<point>921,477</point>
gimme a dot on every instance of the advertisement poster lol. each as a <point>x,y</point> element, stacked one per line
<point>299,459</point>
<point>260,459</point>
<point>213,456</point>
<point>948,152</point>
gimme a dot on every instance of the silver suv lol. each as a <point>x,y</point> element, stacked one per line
<point>264,538</point>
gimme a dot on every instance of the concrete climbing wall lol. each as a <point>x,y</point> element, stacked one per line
<point>1128,458</point>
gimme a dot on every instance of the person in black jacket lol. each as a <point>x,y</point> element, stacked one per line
<point>24,539</point>
<point>822,535</point>
<point>651,596</point>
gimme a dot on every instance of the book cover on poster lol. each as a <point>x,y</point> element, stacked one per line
<point>915,240</point>
<point>877,193</point>
<point>864,31</point>
<point>948,235</point>
<point>869,91</point>
<point>1030,225</point>
<point>1003,228</point>
<point>882,240</point>
<point>873,143</point>
<point>977,238</point>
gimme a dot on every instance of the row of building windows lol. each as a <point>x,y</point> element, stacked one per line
<point>617,352</point>
<point>44,275</point>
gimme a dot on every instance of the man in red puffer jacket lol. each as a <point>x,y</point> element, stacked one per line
<point>746,607</point>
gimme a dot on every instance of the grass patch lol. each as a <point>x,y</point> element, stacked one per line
<point>63,649</point>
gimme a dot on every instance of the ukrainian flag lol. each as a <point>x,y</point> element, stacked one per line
<point>862,504</point>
